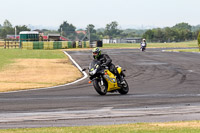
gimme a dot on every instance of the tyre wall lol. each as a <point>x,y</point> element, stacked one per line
<point>55,45</point>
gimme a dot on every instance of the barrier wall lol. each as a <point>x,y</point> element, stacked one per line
<point>55,45</point>
<point>9,44</point>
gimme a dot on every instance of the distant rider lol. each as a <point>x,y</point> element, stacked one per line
<point>105,60</point>
<point>143,44</point>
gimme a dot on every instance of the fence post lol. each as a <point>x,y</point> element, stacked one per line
<point>8,44</point>
<point>15,44</point>
<point>4,43</point>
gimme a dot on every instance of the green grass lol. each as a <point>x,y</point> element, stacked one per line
<point>125,128</point>
<point>8,55</point>
<point>153,45</point>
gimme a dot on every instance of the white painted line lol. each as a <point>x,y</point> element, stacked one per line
<point>80,69</point>
<point>84,77</point>
<point>170,51</point>
<point>105,112</point>
<point>180,52</point>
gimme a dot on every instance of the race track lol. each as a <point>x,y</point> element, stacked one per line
<point>164,86</point>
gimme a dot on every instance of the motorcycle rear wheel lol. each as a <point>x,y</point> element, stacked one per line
<point>124,89</point>
<point>101,90</point>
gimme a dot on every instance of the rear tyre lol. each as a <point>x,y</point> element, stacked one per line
<point>124,89</point>
<point>101,89</point>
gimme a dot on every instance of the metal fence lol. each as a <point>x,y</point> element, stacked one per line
<point>9,43</point>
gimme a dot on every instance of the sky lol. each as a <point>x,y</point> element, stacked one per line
<point>80,13</point>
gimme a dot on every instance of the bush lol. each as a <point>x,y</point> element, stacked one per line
<point>199,40</point>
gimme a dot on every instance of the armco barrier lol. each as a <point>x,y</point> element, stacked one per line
<point>55,45</point>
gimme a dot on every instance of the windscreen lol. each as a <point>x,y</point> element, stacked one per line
<point>93,64</point>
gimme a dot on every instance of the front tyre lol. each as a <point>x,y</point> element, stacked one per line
<point>101,89</point>
<point>124,89</point>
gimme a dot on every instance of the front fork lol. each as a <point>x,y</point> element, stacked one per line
<point>102,83</point>
<point>101,80</point>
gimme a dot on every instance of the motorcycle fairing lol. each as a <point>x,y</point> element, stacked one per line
<point>111,80</point>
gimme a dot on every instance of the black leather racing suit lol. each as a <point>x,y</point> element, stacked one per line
<point>106,60</point>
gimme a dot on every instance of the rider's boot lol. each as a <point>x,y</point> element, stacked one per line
<point>121,79</point>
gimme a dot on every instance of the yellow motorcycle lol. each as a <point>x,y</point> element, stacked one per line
<point>104,81</point>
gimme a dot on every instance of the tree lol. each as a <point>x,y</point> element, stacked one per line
<point>149,35</point>
<point>112,30</point>
<point>182,26</point>
<point>159,35</point>
<point>92,32</point>
<point>132,33</point>
<point>22,28</point>
<point>68,30</point>
<point>6,29</point>
<point>90,28</point>
<point>179,32</point>
<point>195,28</point>
<point>46,32</point>
<point>100,33</point>
<point>169,34</point>
<point>81,36</point>
<point>199,40</point>
<point>3,33</point>
<point>7,24</point>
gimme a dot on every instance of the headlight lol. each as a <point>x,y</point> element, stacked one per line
<point>93,72</point>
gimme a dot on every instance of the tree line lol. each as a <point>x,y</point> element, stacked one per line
<point>68,30</point>
<point>8,29</point>
<point>111,31</point>
<point>179,32</point>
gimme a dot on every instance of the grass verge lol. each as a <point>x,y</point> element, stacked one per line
<point>153,45</point>
<point>8,55</point>
<point>27,69</point>
<point>170,127</point>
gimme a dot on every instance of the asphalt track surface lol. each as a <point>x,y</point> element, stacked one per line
<point>164,86</point>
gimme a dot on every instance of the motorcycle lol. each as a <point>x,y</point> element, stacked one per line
<point>105,81</point>
<point>143,48</point>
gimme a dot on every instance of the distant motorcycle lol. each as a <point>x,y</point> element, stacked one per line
<point>143,48</point>
<point>104,81</point>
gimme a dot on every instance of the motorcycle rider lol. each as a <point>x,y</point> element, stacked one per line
<point>105,60</point>
<point>143,44</point>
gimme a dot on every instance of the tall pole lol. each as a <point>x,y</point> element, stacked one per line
<point>89,34</point>
<point>61,31</point>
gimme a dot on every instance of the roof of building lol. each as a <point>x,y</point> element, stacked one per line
<point>53,34</point>
<point>81,31</point>
<point>45,37</point>
<point>12,36</point>
<point>61,38</point>
<point>29,32</point>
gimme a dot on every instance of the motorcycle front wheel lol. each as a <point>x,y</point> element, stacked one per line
<point>124,89</point>
<point>100,89</point>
